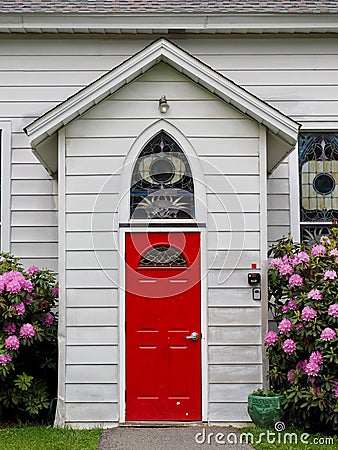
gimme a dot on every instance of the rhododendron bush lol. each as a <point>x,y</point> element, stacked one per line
<point>28,339</point>
<point>303,349</point>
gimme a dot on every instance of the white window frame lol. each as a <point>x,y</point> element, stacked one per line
<point>6,151</point>
<point>294,177</point>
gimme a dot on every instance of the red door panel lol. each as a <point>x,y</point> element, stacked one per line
<point>163,368</point>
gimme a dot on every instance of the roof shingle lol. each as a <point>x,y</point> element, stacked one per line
<point>169,6</point>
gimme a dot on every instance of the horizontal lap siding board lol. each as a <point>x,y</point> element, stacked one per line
<point>279,220</point>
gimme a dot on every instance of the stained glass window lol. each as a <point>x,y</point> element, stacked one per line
<point>318,172</point>
<point>163,256</point>
<point>162,186</point>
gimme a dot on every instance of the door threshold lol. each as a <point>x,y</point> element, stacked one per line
<point>161,424</point>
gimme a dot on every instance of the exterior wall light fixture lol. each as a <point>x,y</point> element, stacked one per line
<point>163,104</point>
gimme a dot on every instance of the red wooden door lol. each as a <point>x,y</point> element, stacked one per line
<point>163,310</point>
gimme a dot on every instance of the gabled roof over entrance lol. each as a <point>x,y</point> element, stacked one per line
<point>283,131</point>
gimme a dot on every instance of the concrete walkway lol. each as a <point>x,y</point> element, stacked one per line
<point>172,438</point>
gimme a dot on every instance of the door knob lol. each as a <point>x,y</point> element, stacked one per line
<point>194,336</point>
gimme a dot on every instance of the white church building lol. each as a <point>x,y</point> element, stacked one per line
<point>150,154</point>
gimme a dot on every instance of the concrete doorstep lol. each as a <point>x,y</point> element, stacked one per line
<point>173,438</point>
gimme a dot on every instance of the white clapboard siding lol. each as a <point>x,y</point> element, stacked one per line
<point>91,393</point>
<point>231,297</point>
<point>92,354</point>
<point>233,240</point>
<point>279,220</point>
<point>226,412</point>
<point>91,222</point>
<point>99,297</point>
<point>235,354</point>
<point>235,373</point>
<point>92,412</point>
<point>233,259</point>
<point>96,373</point>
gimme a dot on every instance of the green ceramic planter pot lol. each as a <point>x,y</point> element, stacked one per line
<point>265,411</point>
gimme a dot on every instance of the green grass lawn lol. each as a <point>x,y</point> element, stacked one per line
<point>291,440</point>
<point>48,438</point>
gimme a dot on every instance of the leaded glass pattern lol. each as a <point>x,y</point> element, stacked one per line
<point>163,256</point>
<point>318,177</point>
<point>162,185</point>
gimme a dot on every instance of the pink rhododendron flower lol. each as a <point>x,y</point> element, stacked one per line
<point>48,320</point>
<point>13,287</point>
<point>292,305</point>
<point>318,250</point>
<point>291,375</point>
<point>312,369</point>
<point>299,326</point>
<point>333,310</point>
<point>14,281</point>
<point>55,291</point>
<point>20,308</point>
<point>315,294</point>
<point>300,257</point>
<point>5,359</point>
<point>285,309</point>
<point>12,343</point>
<point>285,326</point>
<point>27,331</point>
<point>335,389</point>
<point>32,269</point>
<point>27,285</point>
<point>9,328</point>
<point>308,313</point>
<point>330,274</point>
<point>28,300</point>
<point>334,252</point>
<point>295,280</point>
<point>325,240</point>
<point>316,357</point>
<point>328,334</point>
<point>289,346</point>
<point>301,365</point>
<point>271,337</point>
<point>285,269</point>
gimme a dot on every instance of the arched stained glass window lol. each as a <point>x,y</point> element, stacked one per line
<point>163,256</point>
<point>162,186</point>
<point>318,171</point>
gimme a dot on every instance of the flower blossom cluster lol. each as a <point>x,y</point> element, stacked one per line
<point>32,269</point>
<point>271,337</point>
<point>5,359</point>
<point>335,389</point>
<point>12,343</point>
<point>296,280</point>
<point>285,326</point>
<point>13,282</point>
<point>333,310</point>
<point>318,250</point>
<point>313,366</point>
<point>27,331</point>
<point>48,320</point>
<point>9,327</point>
<point>308,313</point>
<point>315,294</point>
<point>289,346</point>
<point>330,275</point>
<point>328,334</point>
